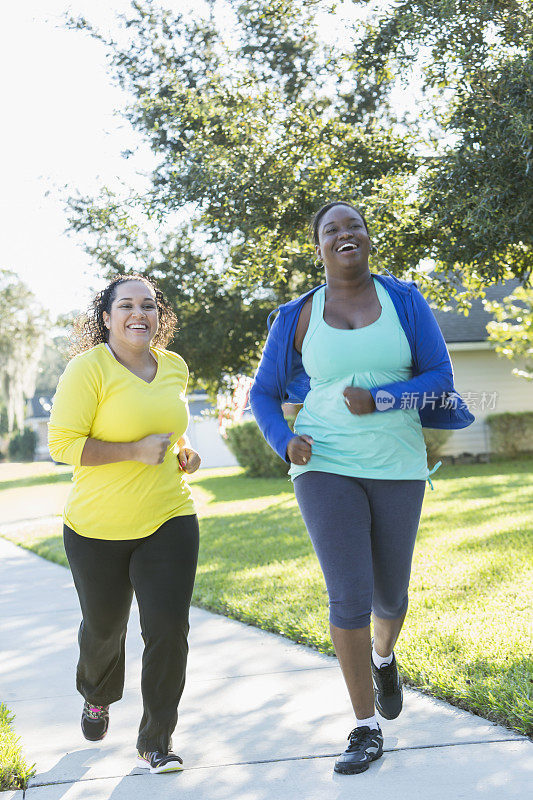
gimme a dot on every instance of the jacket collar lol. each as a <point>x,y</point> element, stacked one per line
<point>401,286</point>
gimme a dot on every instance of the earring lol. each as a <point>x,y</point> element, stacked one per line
<point>373,249</point>
<point>318,263</point>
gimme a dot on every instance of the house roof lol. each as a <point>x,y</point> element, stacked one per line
<point>456,327</point>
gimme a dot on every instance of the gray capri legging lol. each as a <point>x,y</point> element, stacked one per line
<point>363,531</point>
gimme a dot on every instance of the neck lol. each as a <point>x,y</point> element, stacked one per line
<point>130,356</point>
<point>349,285</point>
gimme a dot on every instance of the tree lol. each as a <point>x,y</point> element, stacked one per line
<point>220,324</point>
<point>476,66</point>
<point>512,329</point>
<point>22,323</point>
<point>476,193</point>
<point>254,131</point>
<point>254,135</point>
<point>54,359</point>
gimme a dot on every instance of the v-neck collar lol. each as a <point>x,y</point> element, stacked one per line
<point>154,354</point>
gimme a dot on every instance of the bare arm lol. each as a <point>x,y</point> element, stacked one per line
<point>150,450</point>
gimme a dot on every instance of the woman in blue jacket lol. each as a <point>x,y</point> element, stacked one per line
<point>365,356</point>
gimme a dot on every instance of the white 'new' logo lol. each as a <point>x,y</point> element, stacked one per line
<point>384,400</point>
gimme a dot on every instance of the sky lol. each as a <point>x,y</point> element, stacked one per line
<point>61,134</point>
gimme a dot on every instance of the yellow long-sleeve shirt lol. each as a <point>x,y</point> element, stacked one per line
<point>98,397</point>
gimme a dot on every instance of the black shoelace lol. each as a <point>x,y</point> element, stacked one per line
<point>387,676</point>
<point>361,737</point>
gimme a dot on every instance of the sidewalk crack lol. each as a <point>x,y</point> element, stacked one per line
<point>140,772</point>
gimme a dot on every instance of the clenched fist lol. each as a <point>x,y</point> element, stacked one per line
<point>299,449</point>
<point>152,449</point>
<point>358,400</point>
<point>189,460</point>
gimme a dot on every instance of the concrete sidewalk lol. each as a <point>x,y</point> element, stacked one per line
<point>261,718</point>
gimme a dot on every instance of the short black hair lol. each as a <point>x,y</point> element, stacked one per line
<point>325,208</point>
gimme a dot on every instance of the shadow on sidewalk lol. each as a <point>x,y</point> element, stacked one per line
<point>77,764</point>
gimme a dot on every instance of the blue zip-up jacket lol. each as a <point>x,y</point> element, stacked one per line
<point>282,378</point>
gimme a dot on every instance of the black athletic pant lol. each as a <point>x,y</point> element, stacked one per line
<point>160,569</point>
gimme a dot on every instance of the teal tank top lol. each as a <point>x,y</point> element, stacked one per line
<point>384,444</point>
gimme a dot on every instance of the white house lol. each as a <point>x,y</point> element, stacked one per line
<point>204,435</point>
<point>484,379</point>
<point>37,416</point>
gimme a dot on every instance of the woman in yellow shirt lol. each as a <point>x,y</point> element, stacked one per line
<point>119,416</point>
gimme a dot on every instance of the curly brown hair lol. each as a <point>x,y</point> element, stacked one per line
<point>89,328</point>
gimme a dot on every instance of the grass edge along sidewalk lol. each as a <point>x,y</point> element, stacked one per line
<point>465,640</point>
<point>14,770</point>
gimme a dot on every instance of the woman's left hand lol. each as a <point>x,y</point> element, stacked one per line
<point>358,400</point>
<point>189,460</point>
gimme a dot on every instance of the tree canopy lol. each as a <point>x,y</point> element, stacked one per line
<point>220,324</point>
<point>476,66</point>
<point>255,135</point>
<point>258,121</point>
<point>511,330</point>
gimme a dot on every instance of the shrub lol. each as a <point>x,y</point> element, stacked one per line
<point>435,438</point>
<point>247,444</point>
<point>22,445</point>
<point>511,433</point>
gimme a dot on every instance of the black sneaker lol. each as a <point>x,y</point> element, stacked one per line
<point>94,721</point>
<point>366,745</point>
<point>387,689</point>
<point>160,762</point>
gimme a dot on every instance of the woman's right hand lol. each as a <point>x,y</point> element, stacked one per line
<point>299,449</point>
<point>152,449</point>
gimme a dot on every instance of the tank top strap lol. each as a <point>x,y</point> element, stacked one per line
<point>317,315</point>
<point>387,306</point>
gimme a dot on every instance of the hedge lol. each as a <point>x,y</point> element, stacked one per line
<point>22,445</point>
<point>511,433</point>
<point>435,439</point>
<point>247,444</point>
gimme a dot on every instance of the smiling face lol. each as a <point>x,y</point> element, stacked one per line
<point>133,319</point>
<point>343,240</point>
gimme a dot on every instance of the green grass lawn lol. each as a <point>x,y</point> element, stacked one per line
<point>466,638</point>
<point>37,480</point>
